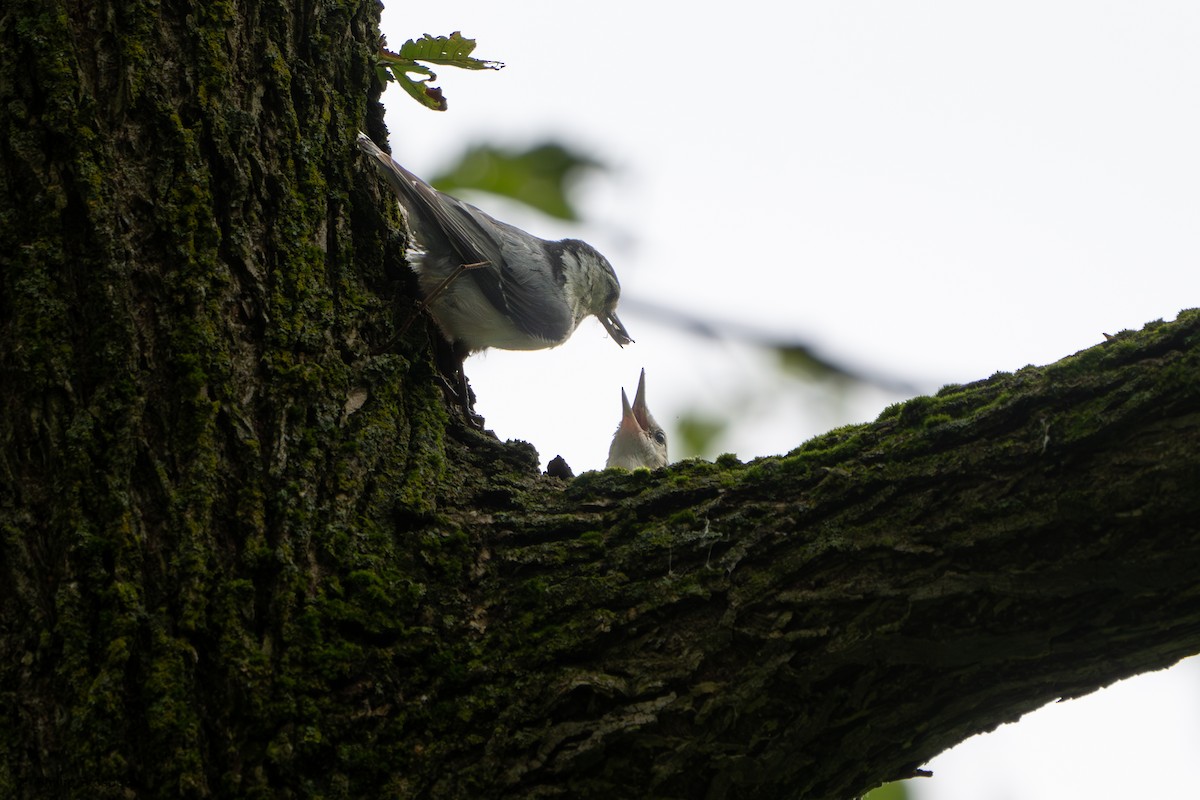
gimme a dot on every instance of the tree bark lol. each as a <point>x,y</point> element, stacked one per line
<point>247,553</point>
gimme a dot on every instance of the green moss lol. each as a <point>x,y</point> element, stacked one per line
<point>610,481</point>
<point>683,519</point>
<point>728,461</point>
<point>594,539</point>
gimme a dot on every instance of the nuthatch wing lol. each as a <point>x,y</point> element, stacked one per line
<point>489,284</point>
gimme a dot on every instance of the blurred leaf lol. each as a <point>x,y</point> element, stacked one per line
<point>539,177</point>
<point>801,361</point>
<point>795,355</point>
<point>889,791</point>
<point>401,66</point>
<point>695,434</point>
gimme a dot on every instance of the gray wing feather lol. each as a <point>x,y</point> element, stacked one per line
<point>472,234</point>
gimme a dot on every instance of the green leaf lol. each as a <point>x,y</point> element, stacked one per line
<point>452,50</point>
<point>402,66</point>
<point>540,176</point>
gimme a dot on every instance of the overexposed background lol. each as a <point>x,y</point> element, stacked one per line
<point>932,191</point>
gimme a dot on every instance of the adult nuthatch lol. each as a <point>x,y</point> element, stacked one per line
<point>639,440</point>
<point>489,284</point>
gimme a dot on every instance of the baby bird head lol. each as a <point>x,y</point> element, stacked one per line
<point>639,440</point>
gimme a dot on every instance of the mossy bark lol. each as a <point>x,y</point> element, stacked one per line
<point>245,553</point>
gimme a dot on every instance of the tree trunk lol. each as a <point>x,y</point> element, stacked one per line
<point>247,551</point>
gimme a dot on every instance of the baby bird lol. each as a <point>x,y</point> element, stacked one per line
<point>489,284</point>
<point>639,440</point>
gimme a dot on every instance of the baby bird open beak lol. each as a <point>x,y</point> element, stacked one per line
<point>639,410</point>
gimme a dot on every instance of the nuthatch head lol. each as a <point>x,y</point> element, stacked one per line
<point>489,284</point>
<point>639,440</point>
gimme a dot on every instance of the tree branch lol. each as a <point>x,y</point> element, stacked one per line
<point>813,625</point>
<point>245,553</point>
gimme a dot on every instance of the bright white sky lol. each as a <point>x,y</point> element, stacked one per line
<point>933,190</point>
